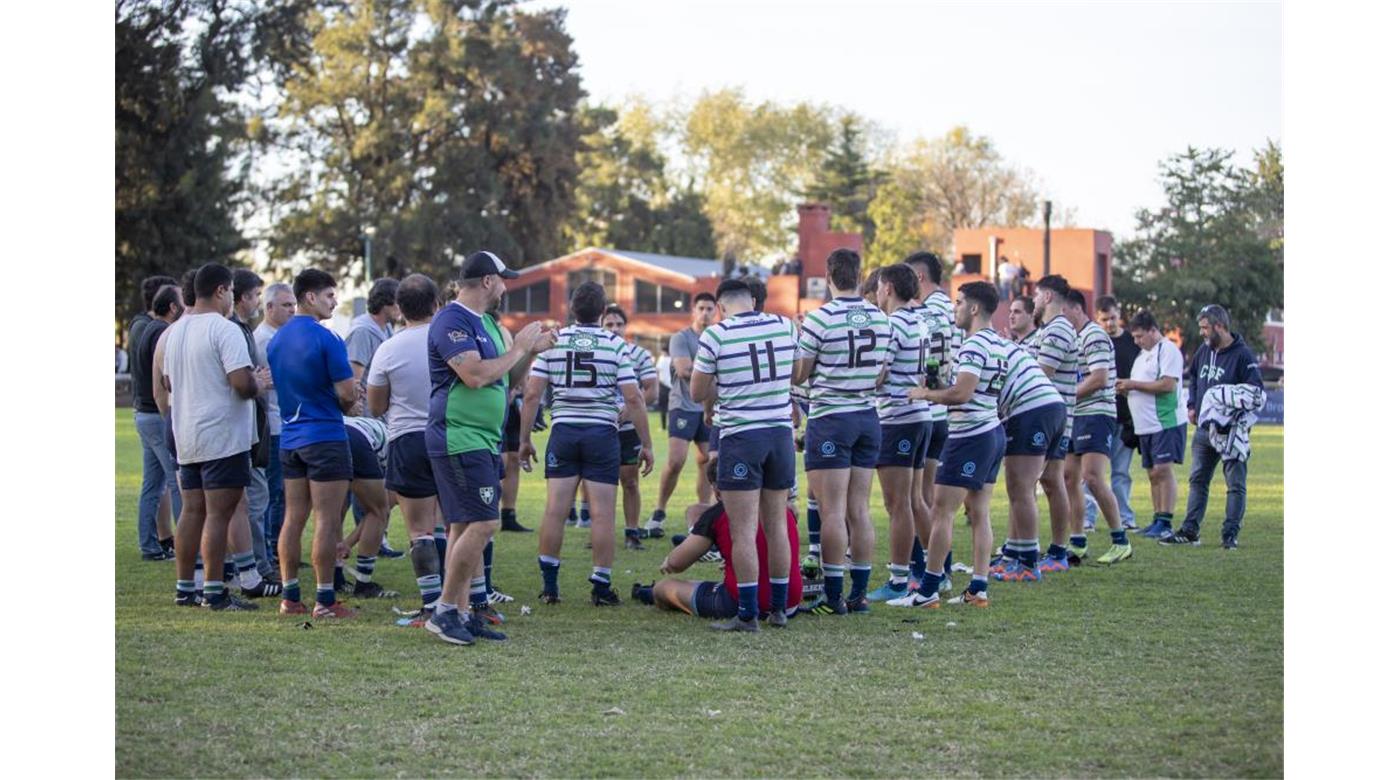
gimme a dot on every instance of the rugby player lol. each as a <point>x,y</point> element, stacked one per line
<point>685,422</point>
<point>469,364</point>
<point>315,389</point>
<point>586,370</point>
<point>1158,406</point>
<point>972,455</point>
<point>745,364</point>
<point>844,349</point>
<point>1095,427</point>
<point>1020,321</point>
<point>615,321</point>
<point>1056,349</point>
<point>905,424</point>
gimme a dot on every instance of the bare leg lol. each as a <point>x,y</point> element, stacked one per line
<point>980,516</point>
<point>631,495</point>
<point>188,533</point>
<point>1095,471</point>
<point>895,487</point>
<point>603,501</point>
<point>861,530</point>
<point>1052,480</point>
<point>1073,476</point>
<point>702,485</point>
<point>219,506</point>
<point>297,499</point>
<point>327,504</point>
<point>670,474</point>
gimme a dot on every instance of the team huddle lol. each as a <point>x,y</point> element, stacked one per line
<point>892,378</point>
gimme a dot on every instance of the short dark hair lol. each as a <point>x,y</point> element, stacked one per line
<point>167,297</point>
<point>903,279</point>
<point>382,293</point>
<point>843,266</point>
<point>209,278</point>
<point>187,286</point>
<point>1056,284</point>
<point>759,290</point>
<point>1143,320</point>
<point>415,296</point>
<point>614,310</point>
<point>1026,301</point>
<point>983,294</point>
<point>704,296</point>
<point>868,286</point>
<point>588,302</point>
<point>932,263</point>
<point>1076,298</point>
<point>1106,302</point>
<point>150,286</point>
<point>730,287</point>
<point>245,281</point>
<point>312,280</point>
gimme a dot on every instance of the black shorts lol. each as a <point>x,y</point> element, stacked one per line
<point>631,445</point>
<point>1035,431</point>
<point>904,445</point>
<point>1093,434</point>
<point>711,600</point>
<point>235,471</point>
<point>1167,446</point>
<point>324,461</point>
<point>687,425</point>
<point>364,461</point>
<point>758,458</point>
<point>587,451</point>
<point>843,440</point>
<point>510,434</point>
<point>410,472</point>
<point>936,439</point>
<point>469,485</point>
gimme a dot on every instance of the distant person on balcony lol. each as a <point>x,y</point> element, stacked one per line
<point>1008,274</point>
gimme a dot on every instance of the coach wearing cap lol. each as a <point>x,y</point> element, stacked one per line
<point>469,358</point>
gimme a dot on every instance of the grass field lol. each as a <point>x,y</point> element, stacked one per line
<point>1170,664</point>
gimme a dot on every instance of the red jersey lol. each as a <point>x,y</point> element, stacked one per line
<point>714,523</point>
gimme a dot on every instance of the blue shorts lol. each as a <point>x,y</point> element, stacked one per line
<point>469,485</point>
<point>588,451</point>
<point>758,458</point>
<point>904,445</point>
<point>630,445</point>
<point>711,600</point>
<point>235,471</point>
<point>1168,446</point>
<point>687,425</point>
<point>972,461</point>
<point>937,439</point>
<point>324,461</point>
<point>1093,433</point>
<point>364,461</point>
<point>842,441</point>
<point>1035,431</point>
<point>410,472</point>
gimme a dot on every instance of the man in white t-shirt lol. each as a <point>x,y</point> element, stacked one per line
<point>1158,406</point>
<point>210,377</point>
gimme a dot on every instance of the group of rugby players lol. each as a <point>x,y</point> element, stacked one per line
<point>893,378</point>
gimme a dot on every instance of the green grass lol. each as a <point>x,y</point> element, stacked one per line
<point>1171,664</point>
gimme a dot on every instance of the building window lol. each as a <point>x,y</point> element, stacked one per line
<point>527,300</point>
<point>606,278</point>
<point>651,298</point>
<point>972,264</point>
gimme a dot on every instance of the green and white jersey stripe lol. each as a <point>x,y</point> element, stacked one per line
<point>1027,386</point>
<point>1057,349</point>
<point>908,362</point>
<point>645,368</point>
<point>944,339</point>
<point>849,340</point>
<point>984,355</point>
<point>1157,412</point>
<point>1096,352</point>
<point>584,368</point>
<point>751,357</point>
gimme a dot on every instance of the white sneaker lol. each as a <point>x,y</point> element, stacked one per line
<point>497,597</point>
<point>915,599</point>
<point>653,528</point>
<point>946,586</point>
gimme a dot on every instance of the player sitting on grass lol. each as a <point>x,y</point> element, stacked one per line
<point>717,600</point>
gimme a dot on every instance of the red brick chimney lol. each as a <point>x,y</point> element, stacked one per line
<point>815,242</point>
<point>813,219</point>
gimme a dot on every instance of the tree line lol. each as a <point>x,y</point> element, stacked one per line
<point>446,125</point>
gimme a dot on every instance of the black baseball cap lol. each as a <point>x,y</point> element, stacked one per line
<point>484,264</point>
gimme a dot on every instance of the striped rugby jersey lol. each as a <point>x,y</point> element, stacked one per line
<point>645,368</point>
<point>1030,342</point>
<point>1057,349</point>
<point>1027,386</point>
<point>584,368</point>
<point>751,356</point>
<point>983,354</point>
<point>1095,352</point>
<point>908,357</point>
<point>849,339</point>
<point>945,338</point>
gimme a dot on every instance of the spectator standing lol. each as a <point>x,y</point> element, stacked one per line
<point>1125,351</point>
<point>279,305</point>
<point>158,472</point>
<point>152,475</point>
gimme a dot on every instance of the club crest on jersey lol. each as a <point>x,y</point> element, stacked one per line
<point>583,342</point>
<point>905,446</point>
<point>968,468</point>
<point>488,494</point>
<point>828,448</point>
<point>857,318</point>
<point>1038,439</point>
<point>551,461</point>
<point>741,470</point>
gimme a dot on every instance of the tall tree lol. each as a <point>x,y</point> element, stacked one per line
<point>845,180</point>
<point>177,133</point>
<point>1218,239</point>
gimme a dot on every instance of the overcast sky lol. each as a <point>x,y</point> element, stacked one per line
<point>1088,96</point>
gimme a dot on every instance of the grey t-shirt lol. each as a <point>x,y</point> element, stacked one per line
<point>364,340</point>
<point>403,365</point>
<point>261,335</point>
<point>683,345</point>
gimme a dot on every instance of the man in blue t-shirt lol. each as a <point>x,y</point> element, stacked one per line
<point>315,388</point>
